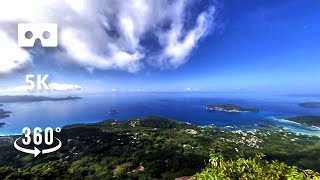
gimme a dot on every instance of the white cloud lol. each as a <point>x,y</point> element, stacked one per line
<point>11,56</point>
<point>17,89</point>
<point>105,34</point>
<point>176,50</point>
<point>192,89</point>
<point>64,87</point>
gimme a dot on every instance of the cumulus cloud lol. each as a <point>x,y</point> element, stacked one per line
<point>11,56</point>
<point>107,34</point>
<point>178,46</point>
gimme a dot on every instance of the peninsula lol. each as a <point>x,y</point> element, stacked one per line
<point>306,120</point>
<point>230,108</point>
<point>310,104</point>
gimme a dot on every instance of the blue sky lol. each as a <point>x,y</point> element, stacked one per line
<point>250,46</point>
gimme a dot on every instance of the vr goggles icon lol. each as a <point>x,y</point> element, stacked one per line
<point>46,33</point>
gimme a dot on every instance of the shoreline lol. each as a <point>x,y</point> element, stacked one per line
<point>312,128</point>
<point>233,128</point>
<point>301,124</point>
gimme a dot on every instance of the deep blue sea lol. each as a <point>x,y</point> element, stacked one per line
<point>186,107</point>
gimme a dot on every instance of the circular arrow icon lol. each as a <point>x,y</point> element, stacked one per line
<point>36,151</point>
<point>47,151</point>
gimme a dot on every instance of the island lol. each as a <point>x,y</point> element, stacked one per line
<point>305,120</point>
<point>27,98</point>
<point>4,114</point>
<point>310,104</point>
<point>230,108</point>
<point>2,124</point>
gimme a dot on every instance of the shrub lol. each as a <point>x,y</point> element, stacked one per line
<point>251,168</point>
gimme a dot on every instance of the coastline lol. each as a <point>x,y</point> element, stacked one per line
<point>313,130</point>
<point>286,120</point>
<point>254,127</point>
<point>301,124</point>
<point>168,139</point>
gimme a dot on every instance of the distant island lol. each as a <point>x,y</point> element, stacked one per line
<point>310,104</point>
<point>306,120</point>
<point>230,108</point>
<point>4,114</point>
<point>26,98</point>
<point>2,124</point>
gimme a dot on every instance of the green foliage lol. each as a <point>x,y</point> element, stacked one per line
<point>251,168</point>
<point>152,148</point>
<point>160,122</point>
<point>51,170</point>
<point>308,120</point>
